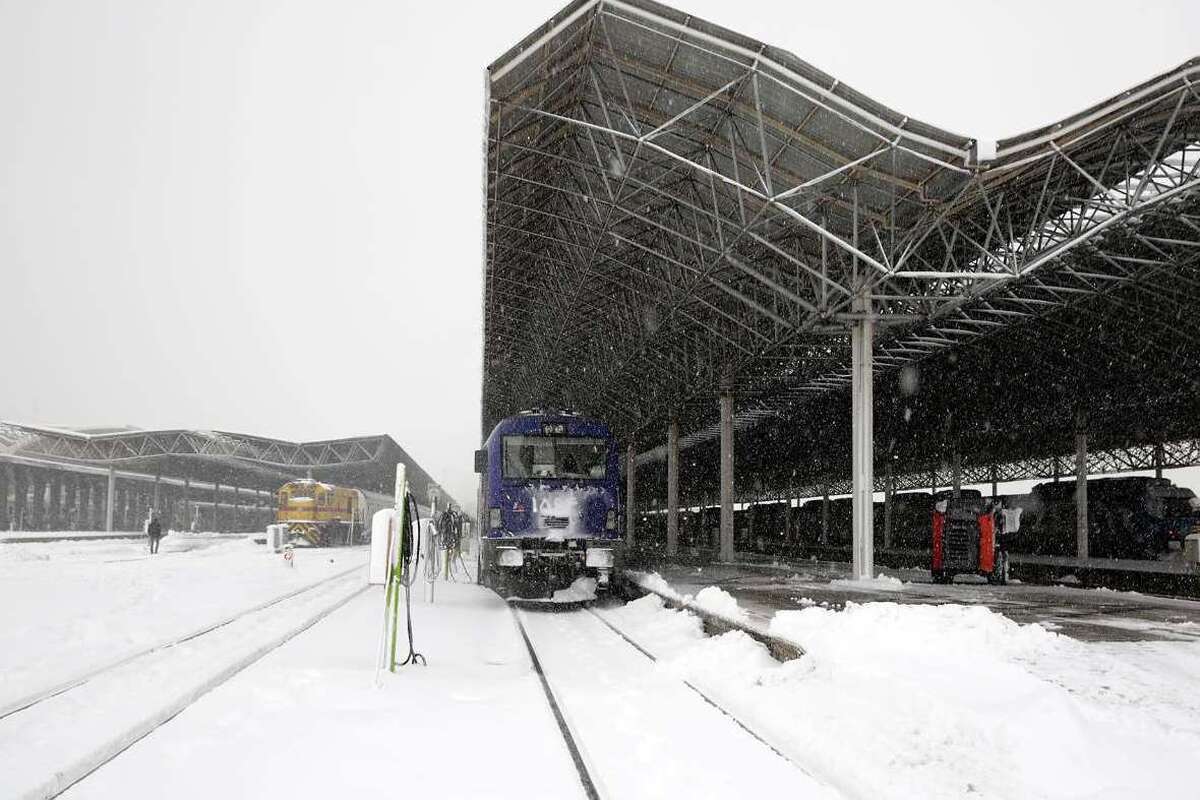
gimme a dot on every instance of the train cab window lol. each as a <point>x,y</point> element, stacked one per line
<point>555,457</point>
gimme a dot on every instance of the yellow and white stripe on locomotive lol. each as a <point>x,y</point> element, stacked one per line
<point>323,514</point>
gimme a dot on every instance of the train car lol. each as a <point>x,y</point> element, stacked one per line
<point>549,486</point>
<point>321,514</point>
<point>1128,517</point>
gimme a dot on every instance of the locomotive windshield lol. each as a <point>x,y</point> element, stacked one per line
<point>562,457</point>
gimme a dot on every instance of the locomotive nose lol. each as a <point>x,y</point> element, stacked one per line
<point>516,510</point>
<point>596,514</point>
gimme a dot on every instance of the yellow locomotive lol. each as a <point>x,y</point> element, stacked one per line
<point>323,514</point>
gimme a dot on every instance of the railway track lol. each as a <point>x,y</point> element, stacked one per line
<point>633,730</point>
<point>55,738</point>
<point>31,700</point>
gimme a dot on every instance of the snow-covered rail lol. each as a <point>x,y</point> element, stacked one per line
<point>62,737</point>
<point>637,731</point>
<point>585,776</point>
<point>32,699</point>
<point>716,624</point>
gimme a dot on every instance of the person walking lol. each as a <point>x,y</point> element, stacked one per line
<point>154,532</point>
<point>450,533</point>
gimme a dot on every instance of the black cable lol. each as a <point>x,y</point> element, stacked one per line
<point>414,521</point>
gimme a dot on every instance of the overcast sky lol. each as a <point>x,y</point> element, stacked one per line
<point>265,217</point>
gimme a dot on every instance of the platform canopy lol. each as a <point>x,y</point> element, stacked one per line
<point>255,462</point>
<point>673,210</point>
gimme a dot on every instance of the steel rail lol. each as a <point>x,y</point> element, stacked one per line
<point>732,717</point>
<point>31,700</point>
<point>564,728</point>
<point>173,710</point>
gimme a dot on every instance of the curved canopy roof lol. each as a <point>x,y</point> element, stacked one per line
<point>253,462</point>
<point>674,209</point>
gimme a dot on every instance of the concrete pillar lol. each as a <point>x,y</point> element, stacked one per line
<point>889,490</point>
<point>157,494</point>
<point>6,483</point>
<point>20,498</point>
<point>54,504</point>
<point>673,488</point>
<point>110,500</point>
<point>216,526</point>
<point>38,511</point>
<point>87,504</point>
<point>630,495</point>
<point>1081,499</point>
<point>1057,469</point>
<point>187,504</point>
<point>1158,459</point>
<point>726,550</point>
<point>862,336</point>
<point>71,501</point>
<point>99,503</point>
<point>994,474</point>
<point>237,507</point>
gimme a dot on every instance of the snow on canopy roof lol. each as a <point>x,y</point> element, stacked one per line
<point>674,209</point>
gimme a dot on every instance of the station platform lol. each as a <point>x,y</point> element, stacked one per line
<point>1087,614</point>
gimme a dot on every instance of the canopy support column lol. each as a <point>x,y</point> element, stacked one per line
<point>889,492</point>
<point>673,489</point>
<point>726,551</point>
<point>110,500</point>
<point>825,513</point>
<point>630,495</point>
<point>862,336</point>
<point>1081,498</point>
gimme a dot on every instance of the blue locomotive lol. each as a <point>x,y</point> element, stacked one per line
<point>548,504</point>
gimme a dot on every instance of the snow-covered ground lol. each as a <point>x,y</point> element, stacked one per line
<point>927,699</point>
<point>308,720</point>
<point>1088,614</point>
<point>949,700</point>
<point>67,607</point>
<point>646,734</point>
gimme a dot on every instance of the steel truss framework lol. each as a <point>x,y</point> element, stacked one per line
<point>673,209</point>
<point>367,462</point>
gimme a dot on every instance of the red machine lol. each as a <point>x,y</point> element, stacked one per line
<point>967,538</point>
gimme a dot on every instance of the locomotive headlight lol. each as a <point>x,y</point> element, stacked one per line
<point>600,557</point>
<point>510,557</point>
<point>610,520</point>
<point>494,518</point>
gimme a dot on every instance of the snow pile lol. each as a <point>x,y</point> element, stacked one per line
<point>655,583</point>
<point>717,601</point>
<point>581,590</point>
<point>657,625</point>
<point>947,701</point>
<point>881,583</point>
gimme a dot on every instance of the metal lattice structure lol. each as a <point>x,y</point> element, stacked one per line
<point>366,462</point>
<point>674,210</point>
